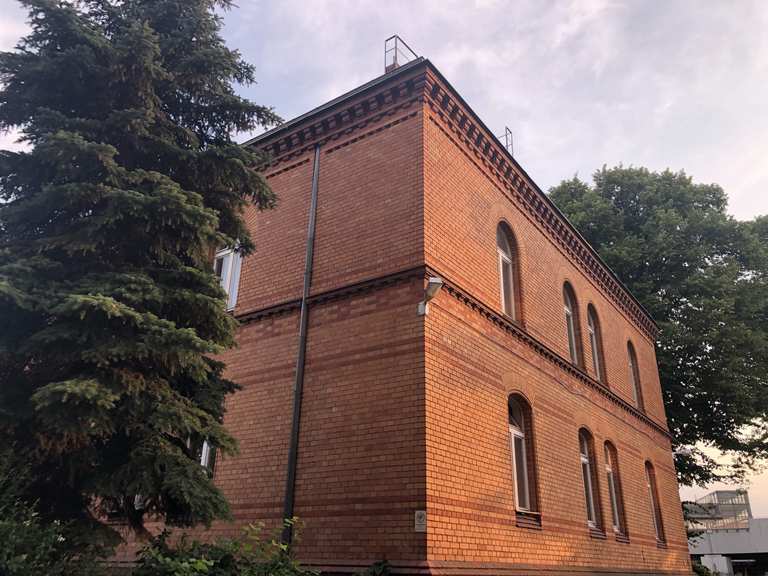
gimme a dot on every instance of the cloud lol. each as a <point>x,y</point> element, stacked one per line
<point>13,25</point>
<point>580,83</point>
<point>8,141</point>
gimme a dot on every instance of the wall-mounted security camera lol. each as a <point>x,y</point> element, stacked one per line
<point>433,287</point>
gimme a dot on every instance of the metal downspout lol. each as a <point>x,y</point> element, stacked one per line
<point>298,385</point>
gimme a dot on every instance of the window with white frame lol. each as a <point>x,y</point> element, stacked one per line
<point>587,474</point>
<point>571,323</point>
<point>653,493</point>
<point>595,343</point>
<point>207,453</point>
<point>614,488</point>
<point>226,266</point>
<point>634,375</point>
<point>518,441</point>
<point>505,248</point>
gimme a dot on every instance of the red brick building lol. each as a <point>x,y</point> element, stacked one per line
<point>515,428</point>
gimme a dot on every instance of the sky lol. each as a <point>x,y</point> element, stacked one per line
<point>679,84</point>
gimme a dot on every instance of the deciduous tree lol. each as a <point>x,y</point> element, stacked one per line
<point>704,278</point>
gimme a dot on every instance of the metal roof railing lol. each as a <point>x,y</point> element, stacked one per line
<point>397,53</point>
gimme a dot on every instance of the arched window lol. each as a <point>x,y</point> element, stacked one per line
<point>634,375</point>
<point>571,310</point>
<point>508,281</point>
<point>596,344</point>
<point>522,448</point>
<point>614,489</point>
<point>589,477</point>
<point>653,494</point>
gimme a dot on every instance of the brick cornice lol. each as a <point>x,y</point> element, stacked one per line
<point>363,286</point>
<point>344,116</point>
<point>471,302</point>
<point>470,133</point>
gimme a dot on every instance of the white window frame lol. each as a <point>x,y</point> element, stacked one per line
<point>206,451</point>
<point>230,273</point>
<point>586,473</point>
<point>593,336</point>
<point>570,326</point>
<point>655,509</point>
<point>517,433</point>
<point>612,490</point>
<point>637,393</point>
<point>508,304</point>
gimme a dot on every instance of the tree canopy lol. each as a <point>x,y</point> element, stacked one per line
<point>704,278</point>
<point>111,313</point>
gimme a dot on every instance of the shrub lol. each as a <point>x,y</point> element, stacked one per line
<point>380,568</point>
<point>701,570</point>
<point>29,544</point>
<point>251,555</point>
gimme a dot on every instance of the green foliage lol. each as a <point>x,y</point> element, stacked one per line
<point>701,570</point>
<point>692,525</point>
<point>704,278</point>
<point>30,546</point>
<point>380,568</point>
<point>252,555</point>
<point>111,313</point>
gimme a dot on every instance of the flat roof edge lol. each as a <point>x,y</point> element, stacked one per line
<point>331,103</point>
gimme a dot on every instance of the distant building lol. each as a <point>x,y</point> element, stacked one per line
<point>731,542</point>
<point>721,509</point>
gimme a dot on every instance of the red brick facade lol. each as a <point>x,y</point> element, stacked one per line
<point>404,413</point>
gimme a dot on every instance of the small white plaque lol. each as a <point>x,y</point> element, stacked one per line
<point>420,521</point>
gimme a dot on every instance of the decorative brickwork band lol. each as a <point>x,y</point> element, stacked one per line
<point>473,303</point>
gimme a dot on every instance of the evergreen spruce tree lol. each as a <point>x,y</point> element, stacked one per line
<point>111,315</point>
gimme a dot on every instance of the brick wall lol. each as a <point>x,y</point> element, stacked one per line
<point>361,455</point>
<point>463,205</point>
<point>472,366</point>
<point>360,472</point>
<point>473,363</point>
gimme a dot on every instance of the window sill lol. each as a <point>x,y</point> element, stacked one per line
<point>597,533</point>
<point>513,320</point>
<point>661,544</point>
<point>527,519</point>
<point>623,538</point>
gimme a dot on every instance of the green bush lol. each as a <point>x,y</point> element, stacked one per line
<point>701,570</point>
<point>252,555</point>
<point>29,544</point>
<point>380,568</point>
